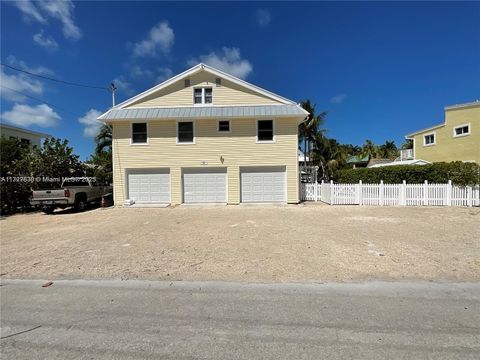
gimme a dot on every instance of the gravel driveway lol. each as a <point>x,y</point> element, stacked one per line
<point>245,243</point>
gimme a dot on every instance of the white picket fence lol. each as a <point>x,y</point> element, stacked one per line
<point>392,194</point>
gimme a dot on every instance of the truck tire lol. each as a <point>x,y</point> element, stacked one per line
<point>80,203</point>
<point>48,209</point>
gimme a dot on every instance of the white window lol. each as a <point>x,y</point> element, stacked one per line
<point>139,133</point>
<point>265,131</point>
<point>202,96</point>
<point>185,132</point>
<point>224,126</point>
<point>461,130</point>
<point>429,139</point>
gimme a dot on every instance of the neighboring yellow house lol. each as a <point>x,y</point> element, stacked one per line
<point>458,139</point>
<point>204,136</point>
<point>29,137</point>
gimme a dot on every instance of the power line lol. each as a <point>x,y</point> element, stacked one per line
<point>39,100</point>
<point>55,80</point>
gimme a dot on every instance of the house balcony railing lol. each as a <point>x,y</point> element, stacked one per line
<point>405,155</point>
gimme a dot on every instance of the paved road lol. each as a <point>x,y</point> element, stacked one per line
<point>158,320</point>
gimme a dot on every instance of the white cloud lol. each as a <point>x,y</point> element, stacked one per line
<point>39,70</point>
<point>29,11</point>
<point>159,40</point>
<point>14,85</point>
<point>228,60</point>
<point>338,99</point>
<point>45,41</point>
<point>62,10</point>
<point>92,125</point>
<point>138,72</point>
<point>263,17</point>
<point>164,73</point>
<point>26,115</point>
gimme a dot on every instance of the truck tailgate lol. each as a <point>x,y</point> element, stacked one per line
<point>48,194</point>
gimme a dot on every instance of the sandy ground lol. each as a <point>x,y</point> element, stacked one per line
<point>245,243</point>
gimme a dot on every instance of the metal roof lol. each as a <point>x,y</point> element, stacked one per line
<point>205,112</point>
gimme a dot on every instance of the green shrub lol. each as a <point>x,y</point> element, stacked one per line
<point>458,172</point>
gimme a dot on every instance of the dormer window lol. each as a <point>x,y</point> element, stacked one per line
<point>202,96</point>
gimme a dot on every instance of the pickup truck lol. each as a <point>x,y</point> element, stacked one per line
<point>76,192</point>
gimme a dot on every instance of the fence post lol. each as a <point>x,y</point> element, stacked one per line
<point>360,193</point>
<point>403,193</point>
<point>321,190</point>
<point>425,191</point>
<point>315,190</point>
<point>469,196</point>
<point>331,192</point>
<point>449,193</point>
<point>381,192</point>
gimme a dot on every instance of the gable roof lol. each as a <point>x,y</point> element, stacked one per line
<point>211,70</point>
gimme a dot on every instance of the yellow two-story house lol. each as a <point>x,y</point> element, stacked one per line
<point>205,136</point>
<point>457,139</point>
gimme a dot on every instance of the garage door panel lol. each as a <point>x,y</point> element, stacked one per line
<point>205,185</point>
<point>149,186</point>
<point>265,184</point>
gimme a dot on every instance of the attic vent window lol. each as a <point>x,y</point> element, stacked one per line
<point>187,82</point>
<point>218,81</point>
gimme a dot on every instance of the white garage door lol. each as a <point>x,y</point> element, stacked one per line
<point>263,184</point>
<point>205,185</point>
<point>149,186</point>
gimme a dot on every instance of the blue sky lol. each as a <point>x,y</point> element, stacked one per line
<point>379,69</point>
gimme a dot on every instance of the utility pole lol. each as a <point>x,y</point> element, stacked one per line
<point>113,88</point>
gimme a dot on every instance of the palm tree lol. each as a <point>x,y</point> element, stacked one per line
<point>329,154</point>
<point>103,139</point>
<point>388,150</point>
<point>369,149</point>
<point>310,130</point>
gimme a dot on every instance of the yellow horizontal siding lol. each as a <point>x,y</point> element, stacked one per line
<point>447,147</point>
<point>238,148</point>
<point>228,93</point>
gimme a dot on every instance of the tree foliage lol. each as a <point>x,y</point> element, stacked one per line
<point>25,168</point>
<point>14,194</point>
<point>100,163</point>
<point>103,139</point>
